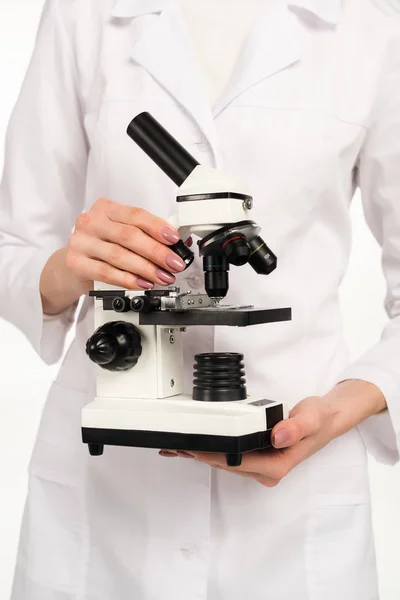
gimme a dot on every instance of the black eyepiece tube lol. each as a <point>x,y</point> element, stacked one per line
<point>161,147</point>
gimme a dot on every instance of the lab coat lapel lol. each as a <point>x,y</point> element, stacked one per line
<point>272,46</point>
<point>329,11</point>
<point>166,52</point>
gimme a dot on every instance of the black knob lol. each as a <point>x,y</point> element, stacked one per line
<point>140,304</point>
<point>184,252</point>
<point>115,346</point>
<point>121,304</point>
<point>236,249</point>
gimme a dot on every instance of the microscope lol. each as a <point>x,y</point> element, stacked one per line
<point>138,345</point>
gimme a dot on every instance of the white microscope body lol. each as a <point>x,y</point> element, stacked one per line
<point>138,342</point>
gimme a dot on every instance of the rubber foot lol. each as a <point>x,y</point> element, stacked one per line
<point>233,460</point>
<point>96,449</point>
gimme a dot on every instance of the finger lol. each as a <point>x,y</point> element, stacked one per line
<point>209,459</point>
<point>265,481</point>
<point>96,270</point>
<point>304,420</point>
<point>262,479</point>
<point>135,240</point>
<point>120,257</point>
<point>168,454</point>
<point>155,227</point>
<point>272,464</point>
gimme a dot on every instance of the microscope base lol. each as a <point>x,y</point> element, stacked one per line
<point>180,423</point>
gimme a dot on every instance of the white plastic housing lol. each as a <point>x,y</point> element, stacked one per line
<point>180,414</point>
<point>159,371</point>
<point>200,217</point>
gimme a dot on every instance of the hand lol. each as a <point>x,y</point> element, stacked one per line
<point>311,425</point>
<point>308,429</point>
<point>123,246</point>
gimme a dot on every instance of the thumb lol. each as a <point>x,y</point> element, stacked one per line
<point>304,420</point>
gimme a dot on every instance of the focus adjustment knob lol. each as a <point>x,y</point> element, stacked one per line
<point>115,346</point>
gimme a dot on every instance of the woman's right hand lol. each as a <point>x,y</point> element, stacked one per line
<point>123,246</point>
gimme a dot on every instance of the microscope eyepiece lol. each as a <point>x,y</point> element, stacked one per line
<point>162,148</point>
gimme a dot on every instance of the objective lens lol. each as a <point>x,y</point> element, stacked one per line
<point>216,278</point>
<point>262,259</point>
<point>236,249</point>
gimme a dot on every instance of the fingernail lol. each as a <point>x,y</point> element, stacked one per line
<point>143,283</point>
<point>281,438</point>
<point>185,455</point>
<point>170,235</point>
<point>164,276</point>
<point>189,242</point>
<point>167,454</point>
<point>175,263</point>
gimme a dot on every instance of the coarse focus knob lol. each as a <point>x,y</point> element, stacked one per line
<point>115,346</point>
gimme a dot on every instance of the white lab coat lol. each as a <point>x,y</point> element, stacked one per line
<point>312,110</point>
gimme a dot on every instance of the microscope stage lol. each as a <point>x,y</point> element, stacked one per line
<point>239,317</point>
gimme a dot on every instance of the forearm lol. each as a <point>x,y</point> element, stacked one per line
<point>351,402</point>
<point>59,287</point>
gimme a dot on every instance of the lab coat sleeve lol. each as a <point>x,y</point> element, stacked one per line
<point>379,181</point>
<point>43,183</point>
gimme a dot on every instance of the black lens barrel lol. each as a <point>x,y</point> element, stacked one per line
<point>236,249</point>
<point>162,148</point>
<point>216,277</point>
<point>262,259</point>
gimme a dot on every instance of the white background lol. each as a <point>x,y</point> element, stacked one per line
<point>25,380</point>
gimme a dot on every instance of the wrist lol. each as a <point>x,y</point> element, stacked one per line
<point>352,401</point>
<point>60,287</point>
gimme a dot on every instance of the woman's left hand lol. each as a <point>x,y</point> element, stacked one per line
<point>311,425</point>
<point>308,429</point>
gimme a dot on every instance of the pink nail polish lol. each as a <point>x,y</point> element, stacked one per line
<point>167,454</point>
<point>164,276</point>
<point>175,263</point>
<point>170,235</point>
<point>281,438</point>
<point>185,454</point>
<point>144,284</point>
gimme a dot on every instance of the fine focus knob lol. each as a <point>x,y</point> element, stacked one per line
<point>140,304</point>
<point>115,346</point>
<point>121,304</point>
